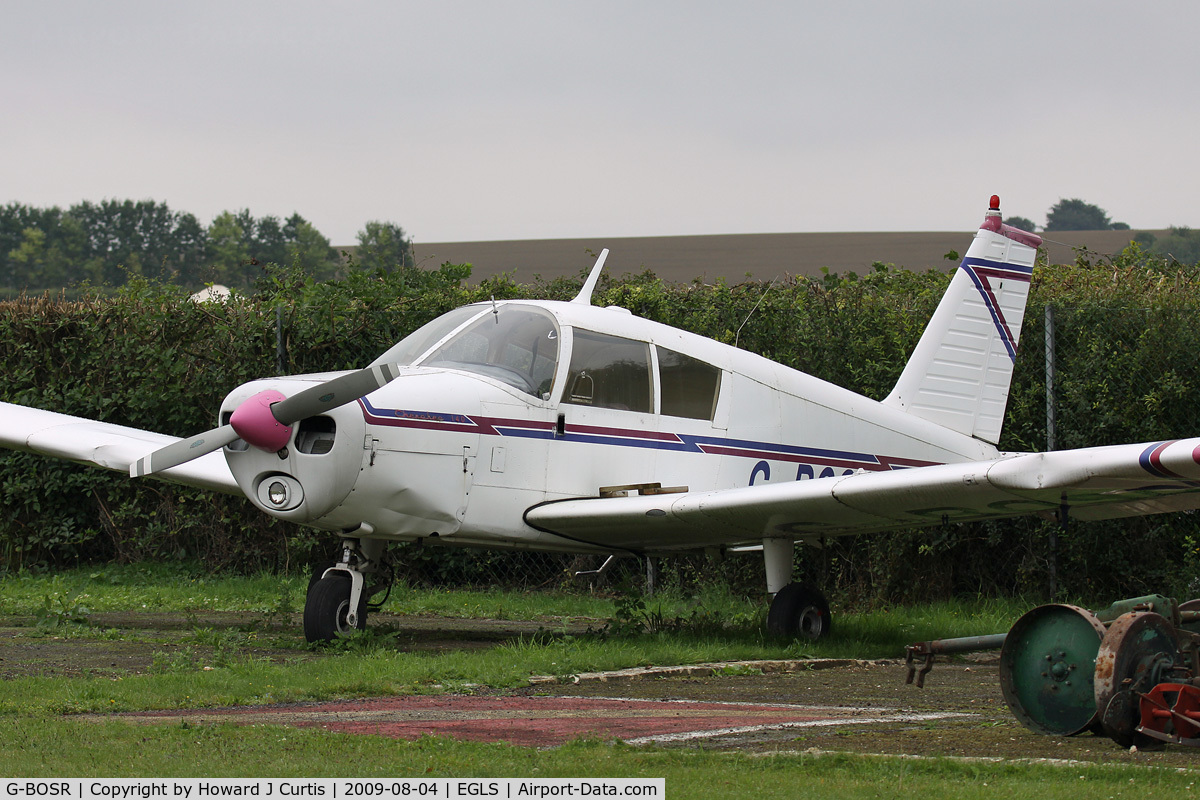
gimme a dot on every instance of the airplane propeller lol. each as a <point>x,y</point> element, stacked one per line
<point>264,420</point>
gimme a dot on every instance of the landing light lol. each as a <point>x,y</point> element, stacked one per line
<point>280,493</point>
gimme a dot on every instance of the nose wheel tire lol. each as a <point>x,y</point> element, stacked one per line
<point>327,608</point>
<point>799,610</point>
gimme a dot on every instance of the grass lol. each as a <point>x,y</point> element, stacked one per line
<point>37,740</point>
<point>184,682</point>
<point>67,748</point>
<point>178,588</point>
<point>206,667</point>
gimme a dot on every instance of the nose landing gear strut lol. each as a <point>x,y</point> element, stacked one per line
<point>338,594</point>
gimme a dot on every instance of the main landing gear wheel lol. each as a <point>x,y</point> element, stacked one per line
<point>327,608</point>
<point>799,609</point>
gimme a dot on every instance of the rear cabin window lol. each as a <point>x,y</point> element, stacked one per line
<point>689,386</point>
<point>609,372</point>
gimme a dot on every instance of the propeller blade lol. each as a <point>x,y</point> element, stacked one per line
<point>183,451</point>
<point>333,393</point>
<point>256,414</point>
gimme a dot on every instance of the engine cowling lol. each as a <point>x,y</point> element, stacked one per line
<point>315,469</point>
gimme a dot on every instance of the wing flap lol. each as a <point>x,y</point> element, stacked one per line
<point>1094,483</point>
<point>103,444</point>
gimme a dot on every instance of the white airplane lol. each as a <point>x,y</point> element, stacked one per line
<point>561,426</point>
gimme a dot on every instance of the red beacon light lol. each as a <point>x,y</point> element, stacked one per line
<point>991,220</point>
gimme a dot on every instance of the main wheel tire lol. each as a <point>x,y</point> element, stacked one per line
<point>328,606</point>
<point>799,609</point>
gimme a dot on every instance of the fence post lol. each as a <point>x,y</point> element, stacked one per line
<point>1051,443</point>
<point>651,576</point>
<point>279,366</point>
<point>1051,438</point>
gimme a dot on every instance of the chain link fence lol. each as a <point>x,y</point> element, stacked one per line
<point>1080,372</point>
<point>1108,355</point>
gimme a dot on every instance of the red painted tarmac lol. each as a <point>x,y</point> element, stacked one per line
<point>537,721</point>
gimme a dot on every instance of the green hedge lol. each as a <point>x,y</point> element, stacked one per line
<point>149,357</point>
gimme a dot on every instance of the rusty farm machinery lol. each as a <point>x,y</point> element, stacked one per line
<point>1130,672</point>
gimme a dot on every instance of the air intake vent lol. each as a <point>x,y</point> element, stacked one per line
<point>316,435</point>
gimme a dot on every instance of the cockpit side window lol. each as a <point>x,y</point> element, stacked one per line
<point>609,372</point>
<point>512,343</point>
<point>689,386</point>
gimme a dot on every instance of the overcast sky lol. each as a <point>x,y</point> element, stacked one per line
<point>467,121</point>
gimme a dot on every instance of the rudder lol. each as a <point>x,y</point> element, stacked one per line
<point>960,372</point>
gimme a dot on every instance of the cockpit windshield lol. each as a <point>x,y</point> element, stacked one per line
<point>417,343</point>
<point>513,343</point>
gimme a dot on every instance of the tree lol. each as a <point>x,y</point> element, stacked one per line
<point>189,245</point>
<point>240,245</point>
<point>122,237</point>
<point>27,261</point>
<point>268,241</point>
<point>383,245</point>
<point>229,248</point>
<point>1181,244</point>
<point>1022,223</point>
<point>1076,215</point>
<point>39,247</point>
<point>308,249</point>
<point>106,242</point>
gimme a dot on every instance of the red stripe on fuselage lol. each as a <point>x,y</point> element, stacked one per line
<point>496,426</point>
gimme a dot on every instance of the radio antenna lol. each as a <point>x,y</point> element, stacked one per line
<point>751,314</point>
<point>585,294</point>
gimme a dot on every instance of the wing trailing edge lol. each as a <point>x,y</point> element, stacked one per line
<point>1093,483</point>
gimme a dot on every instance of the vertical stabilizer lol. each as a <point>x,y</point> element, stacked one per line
<point>959,373</point>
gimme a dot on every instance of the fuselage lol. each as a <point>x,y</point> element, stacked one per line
<point>503,406</point>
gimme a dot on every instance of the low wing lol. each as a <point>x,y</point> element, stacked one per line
<point>103,444</point>
<point>1094,483</point>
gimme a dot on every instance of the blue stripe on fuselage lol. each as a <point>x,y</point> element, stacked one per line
<point>628,437</point>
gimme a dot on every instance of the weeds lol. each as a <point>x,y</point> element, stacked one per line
<point>371,640</point>
<point>183,660</point>
<point>733,670</point>
<point>62,609</point>
<point>281,612</point>
<point>714,613</point>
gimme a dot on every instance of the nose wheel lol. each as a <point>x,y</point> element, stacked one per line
<point>327,609</point>
<point>340,592</point>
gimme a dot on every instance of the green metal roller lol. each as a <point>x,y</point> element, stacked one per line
<point>1047,668</point>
